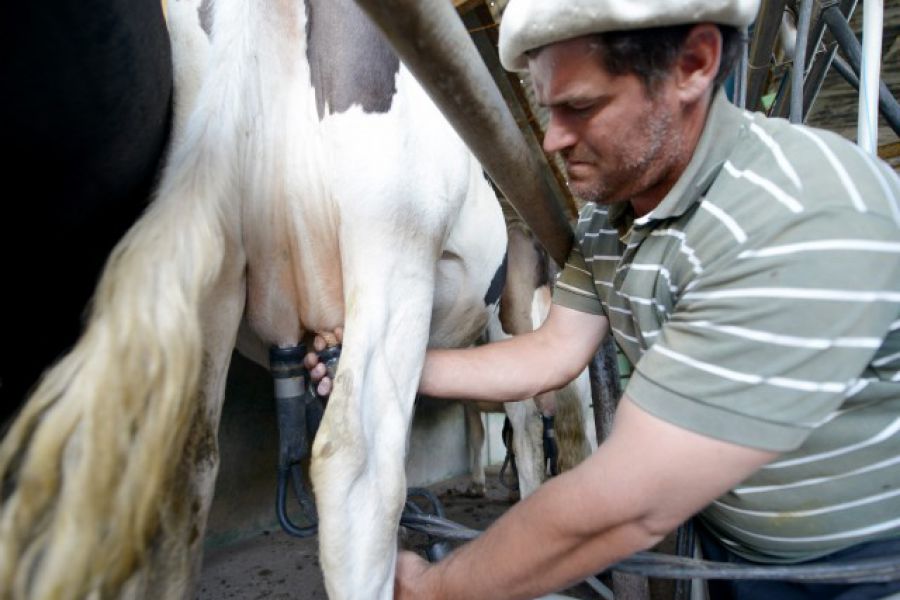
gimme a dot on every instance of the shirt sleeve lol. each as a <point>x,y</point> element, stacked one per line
<point>574,287</point>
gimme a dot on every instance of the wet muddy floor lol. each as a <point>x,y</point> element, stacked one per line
<point>275,565</point>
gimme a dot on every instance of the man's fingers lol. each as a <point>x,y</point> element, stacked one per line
<point>327,339</point>
<point>310,360</point>
<point>318,372</point>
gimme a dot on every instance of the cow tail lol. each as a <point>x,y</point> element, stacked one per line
<point>88,463</point>
<point>569,424</point>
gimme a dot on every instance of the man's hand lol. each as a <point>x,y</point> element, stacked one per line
<point>317,370</point>
<point>411,581</point>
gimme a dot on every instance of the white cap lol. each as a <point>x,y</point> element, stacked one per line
<point>530,24</point>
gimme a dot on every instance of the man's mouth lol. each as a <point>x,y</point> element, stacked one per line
<point>574,167</point>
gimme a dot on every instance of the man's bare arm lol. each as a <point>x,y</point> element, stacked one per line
<point>640,484</point>
<point>513,369</point>
<point>520,367</point>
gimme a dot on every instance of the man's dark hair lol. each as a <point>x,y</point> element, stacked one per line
<point>650,53</point>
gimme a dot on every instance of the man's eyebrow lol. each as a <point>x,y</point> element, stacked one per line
<point>573,98</point>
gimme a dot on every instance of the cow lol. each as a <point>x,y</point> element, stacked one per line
<point>310,184</point>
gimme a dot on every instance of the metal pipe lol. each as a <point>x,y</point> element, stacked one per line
<point>846,39</point>
<point>483,29</point>
<point>684,546</point>
<point>816,62</point>
<point>798,73</point>
<point>815,76</point>
<point>846,71</point>
<point>432,42</point>
<point>787,37</point>
<point>873,21</point>
<point>768,22</point>
<point>820,49</point>
<point>821,61</point>
<point>740,95</point>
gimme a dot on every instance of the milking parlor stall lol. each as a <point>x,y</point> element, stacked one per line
<point>248,556</point>
<point>247,517</point>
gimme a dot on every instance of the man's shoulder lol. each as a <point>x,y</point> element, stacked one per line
<point>779,167</point>
<point>783,184</point>
<point>813,153</point>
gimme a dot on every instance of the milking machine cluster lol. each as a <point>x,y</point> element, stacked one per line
<point>299,410</point>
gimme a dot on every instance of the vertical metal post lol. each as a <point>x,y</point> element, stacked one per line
<point>768,22</point>
<point>867,132</point>
<point>819,61</point>
<point>799,71</point>
<point>740,93</point>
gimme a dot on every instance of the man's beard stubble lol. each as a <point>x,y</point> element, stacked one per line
<point>637,171</point>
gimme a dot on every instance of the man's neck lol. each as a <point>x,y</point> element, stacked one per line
<point>691,128</point>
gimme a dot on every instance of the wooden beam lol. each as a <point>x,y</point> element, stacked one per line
<point>887,151</point>
<point>464,6</point>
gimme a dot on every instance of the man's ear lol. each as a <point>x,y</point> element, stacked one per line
<point>698,62</point>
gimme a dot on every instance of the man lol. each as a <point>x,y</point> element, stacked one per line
<point>751,272</point>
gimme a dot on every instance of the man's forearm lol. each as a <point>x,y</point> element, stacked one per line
<point>539,546</point>
<point>520,367</point>
<point>608,507</point>
<point>500,371</point>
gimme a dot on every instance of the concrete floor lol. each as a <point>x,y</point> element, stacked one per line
<point>273,565</point>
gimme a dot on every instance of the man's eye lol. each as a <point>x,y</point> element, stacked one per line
<point>581,107</point>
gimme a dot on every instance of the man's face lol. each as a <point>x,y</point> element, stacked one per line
<point>617,140</point>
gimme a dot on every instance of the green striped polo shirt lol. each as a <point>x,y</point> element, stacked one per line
<point>760,304</point>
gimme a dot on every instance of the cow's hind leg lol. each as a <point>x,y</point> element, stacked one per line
<point>475,443</point>
<point>359,451</point>
<point>173,566</point>
<point>528,431</point>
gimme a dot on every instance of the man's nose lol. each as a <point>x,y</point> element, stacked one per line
<point>558,136</point>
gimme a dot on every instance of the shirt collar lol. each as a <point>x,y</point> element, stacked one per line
<point>621,215</point>
<point>720,134</point>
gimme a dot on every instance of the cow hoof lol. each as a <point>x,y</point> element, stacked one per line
<point>474,490</point>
